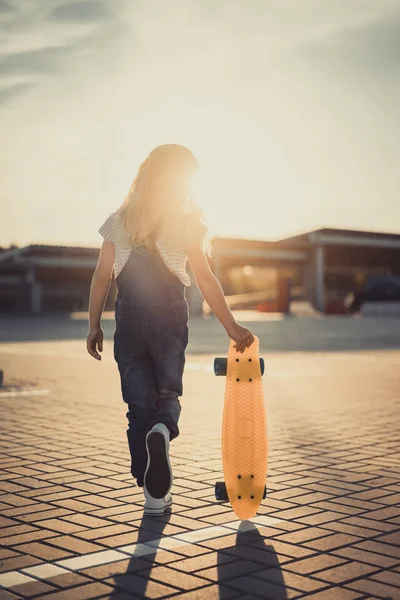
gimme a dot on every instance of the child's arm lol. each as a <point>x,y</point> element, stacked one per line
<point>212,292</point>
<point>98,293</point>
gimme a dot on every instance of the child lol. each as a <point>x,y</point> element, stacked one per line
<point>147,241</point>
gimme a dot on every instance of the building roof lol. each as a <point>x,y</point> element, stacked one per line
<point>348,233</point>
<point>23,253</point>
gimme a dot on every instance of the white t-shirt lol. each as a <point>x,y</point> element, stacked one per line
<point>170,243</point>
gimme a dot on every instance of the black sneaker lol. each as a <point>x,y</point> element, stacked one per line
<point>158,474</point>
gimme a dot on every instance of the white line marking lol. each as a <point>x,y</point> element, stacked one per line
<point>47,570</point>
<point>90,560</point>
<point>14,578</point>
<point>24,393</point>
<point>200,535</point>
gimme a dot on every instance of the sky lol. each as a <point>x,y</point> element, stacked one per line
<point>291,107</point>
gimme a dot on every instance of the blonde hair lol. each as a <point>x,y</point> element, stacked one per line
<point>161,188</point>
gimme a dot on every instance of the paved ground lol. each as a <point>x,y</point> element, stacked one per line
<point>72,525</point>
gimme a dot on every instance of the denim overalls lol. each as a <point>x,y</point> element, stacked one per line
<point>151,314</point>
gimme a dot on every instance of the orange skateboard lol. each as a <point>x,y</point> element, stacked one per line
<point>244,431</point>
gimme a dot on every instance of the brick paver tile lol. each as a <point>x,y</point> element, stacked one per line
<point>336,594</point>
<point>16,500</point>
<point>329,505</point>
<point>330,542</point>
<point>141,586</point>
<point>380,548</point>
<point>82,592</point>
<point>35,589</point>
<point>42,515</point>
<point>213,592</point>
<point>4,595</point>
<point>124,539</point>
<point>390,538</point>
<point>87,486</point>
<point>67,580</point>
<point>225,572</point>
<point>166,557</point>
<point>292,580</point>
<point>262,588</point>
<point>102,532</point>
<point>302,535</point>
<point>384,513</point>
<point>296,513</point>
<point>24,510</point>
<point>74,544</point>
<point>43,551</point>
<point>393,499</point>
<point>190,550</point>
<point>324,516</point>
<point>62,526</point>
<point>86,520</point>
<point>292,550</point>
<point>120,567</point>
<point>164,530</point>
<point>313,564</point>
<point>17,562</point>
<point>76,505</point>
<point>338,526</point>
<point>261,555</point>
<point>218,543</point>
<point>119,596</point>
<point>371,558</point>
<point>7,553</point>
<point>198,513</point>
<point>369,523</point>
<point>14,530</point>
<point>128,512</point>
<point>370,494</point>
<point>100,501</point>
<point>175,577</point>
<point>204,561</point>
<point>5,522</point>
<point>39,534</point>
<point>391,578</point>
<point>347,572</point>
<point>378,589</point>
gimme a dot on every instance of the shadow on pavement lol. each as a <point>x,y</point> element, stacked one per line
<point>235,565</point>
<point>253,555</point>
<point>150,530</point>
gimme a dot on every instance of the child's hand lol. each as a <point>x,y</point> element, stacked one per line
<point>95,337</point>
<point>241,335</point>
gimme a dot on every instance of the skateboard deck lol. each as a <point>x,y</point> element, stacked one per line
<point>244,431</point>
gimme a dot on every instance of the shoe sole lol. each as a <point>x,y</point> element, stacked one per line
<point>157,512</point>
<point>158,476</point>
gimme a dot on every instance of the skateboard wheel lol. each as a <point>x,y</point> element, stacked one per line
<point>220,491</point>
<point>265,492</point>
<point>220,366</point>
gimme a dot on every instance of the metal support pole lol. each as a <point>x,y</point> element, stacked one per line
<point>319,278</point>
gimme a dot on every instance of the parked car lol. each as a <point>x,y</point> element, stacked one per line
<point>386,290</point>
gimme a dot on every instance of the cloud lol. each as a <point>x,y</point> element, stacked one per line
<point>87,10</point>
<point>37,61</point>
<point>10,92</point>
<point>41,38</point>
<point>371,50</point>
<point>5,6</point>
